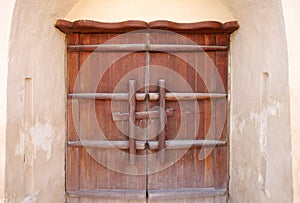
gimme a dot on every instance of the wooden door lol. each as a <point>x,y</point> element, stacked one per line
<point>147,111</point>
<point>194,168</point>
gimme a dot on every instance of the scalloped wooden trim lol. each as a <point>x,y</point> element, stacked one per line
<point>89,26</point>
<point>197,27</point>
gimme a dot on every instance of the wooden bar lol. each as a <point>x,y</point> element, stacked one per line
<point>102,96</point>
<point>186,144</point>
<point>162,134</point>
<point>118,116</point>
<point>141,145</point>
<point>109,193</point>
<point>185,193</point>
<point>185,48</point>
<point>131,128</point>
<point>105,144</point>
<point>108,48</point>
<point>143,47</point>
<point>152,96</point>
<point>193,96</point>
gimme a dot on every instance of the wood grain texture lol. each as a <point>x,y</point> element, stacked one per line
<point>93,175</point>
<point>118,116</point>
<point>162,133</point>
<point>197,27</point>
<point>142,47</point>
<point>185,193</point>
<point>89,26</point>
<point>131,121</point>
<point>209,65</point>
<point>192,106</point>
<point>171,96</point>
<point>112,194</point>
<point>72,155</point>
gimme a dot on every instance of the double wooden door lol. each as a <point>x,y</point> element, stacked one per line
<point>147,116</point>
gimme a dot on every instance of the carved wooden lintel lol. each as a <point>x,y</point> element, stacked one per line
<point>89,26</point>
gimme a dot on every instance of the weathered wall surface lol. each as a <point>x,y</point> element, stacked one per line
<point>6,12</point>
<point>34,93</point>
<point>36,103</point>
<point>174,10</point>
<point>291,14</point>
<point>260,164</point>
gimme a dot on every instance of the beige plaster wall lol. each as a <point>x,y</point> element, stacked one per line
<point>174,10</point>
<point>260,146</point>
<point>6,11</point>
<point>36,99</point>
<point>291,14</point>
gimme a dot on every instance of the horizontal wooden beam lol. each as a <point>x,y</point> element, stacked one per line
<point>143,47</point>
<point>185,193</point>
<point>193,96</point>
<point>108,48</point>
<point>185,48</point>
<point>117,116</point>
<point>152,96</point>
<point>102,96</point>
<point>105,144</point>
<point>141,145</point>
<point>90,26</point>
<point>186,144</point>
<point>109,193</point>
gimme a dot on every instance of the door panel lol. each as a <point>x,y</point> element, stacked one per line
<point>96,169</point>
<point>175,149</point>
<point>193,171</point>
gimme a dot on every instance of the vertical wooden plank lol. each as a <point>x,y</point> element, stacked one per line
<point>209,115</point>
<point>113,132</point>
<point>72,159</point>
<point>182,70</point>
<point>200,87</point>
<point>139,59</point>
<point>221,120</point>
<point>192,117</point>
<point>162,135</point>
<point>101,108</point>
<point>83,112</point>
<point>173,122</point>
<point>131,129</point>
<point>222,63</point>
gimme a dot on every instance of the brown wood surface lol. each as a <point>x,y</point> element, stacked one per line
<point>173,96</point>
<point>131,121</point>
<point>143,47</point>
<point>185,193</point>
<point>221,111</point>
<point>89,26</point>
<point>72,160</point>
<point>194,165</point>
<point>162,117</point>
<point>93,175</point>
<point>110,194</point>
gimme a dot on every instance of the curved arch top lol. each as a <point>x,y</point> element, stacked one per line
<point>89,26</point>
